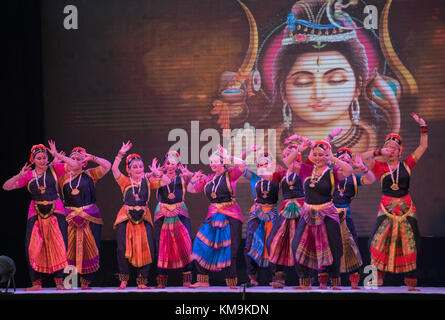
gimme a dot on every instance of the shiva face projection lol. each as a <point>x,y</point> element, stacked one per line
<point>321,79</point>
<point>321,82</point>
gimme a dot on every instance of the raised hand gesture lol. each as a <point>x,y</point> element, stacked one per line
<point>292,138</point>
<point>335,132</point>
<point>52,148</point>
<point>357,162</point>
<point>125,147</point>
<point>307,143</point>
<point>197,176</point>
<point>26,168</point>
<point>155,167</point>
<point>418,119</point>
<point>184,170</point>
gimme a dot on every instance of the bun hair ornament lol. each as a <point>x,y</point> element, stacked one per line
<point>344,150</point>
<point>313,31</point>
<point>323,145</point>
<point>396,138</point>
<point>35,149</point>
<point>266,156</point>
<point>173,157</point>
<point>130,158</point>
<point>79,150</point>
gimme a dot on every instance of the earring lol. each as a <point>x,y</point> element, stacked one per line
<point>287,115</point>
<point>355,111</point>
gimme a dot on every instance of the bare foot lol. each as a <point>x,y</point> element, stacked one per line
<point>199,284</point>
<point>143,287</point>
<point>337,288</point>
<point>61,287</point>
<point>277,285</point>
<point>253,283</point>
<point>303,288</point>
<point>123,285</point>
<point>34,288</point>
<point>413,289</point>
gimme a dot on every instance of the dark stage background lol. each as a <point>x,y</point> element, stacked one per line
<point>137,69</point>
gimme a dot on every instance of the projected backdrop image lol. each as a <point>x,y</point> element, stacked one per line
<point>139,70</point>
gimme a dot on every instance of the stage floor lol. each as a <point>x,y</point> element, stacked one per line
<point>241,293</point>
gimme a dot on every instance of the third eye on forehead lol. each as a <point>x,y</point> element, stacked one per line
<point>330,63</point>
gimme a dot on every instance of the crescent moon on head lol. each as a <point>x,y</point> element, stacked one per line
<point>250,58</point>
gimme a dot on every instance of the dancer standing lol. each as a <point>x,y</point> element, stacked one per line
<point>172,227</point>
<point>394,241</point>
<point>46,229</point>
<point>261,217</point>
<point>133,225</point>
<point>216,245</point>
<point>317,243</point>
<point>78,188</point>
<point>279,242</point>
<point>344,193</point>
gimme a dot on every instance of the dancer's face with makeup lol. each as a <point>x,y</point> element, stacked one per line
<point>136,169</point>
<point>216,163</point>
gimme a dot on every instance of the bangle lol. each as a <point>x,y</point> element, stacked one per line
<point>94,159</point>
<point>330,137</point>
<point>423,129</point>
<point>377,153</point>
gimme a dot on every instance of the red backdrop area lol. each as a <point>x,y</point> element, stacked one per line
<point>134,70</point>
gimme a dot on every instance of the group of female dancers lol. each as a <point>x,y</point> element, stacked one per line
<point>312,230</point>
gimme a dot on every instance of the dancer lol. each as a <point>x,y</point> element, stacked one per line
<point>317,243</point>
<point>46,229</point>
<point>344,193</point>
<point>279,242</point>
<point>78,188</point>
<point>394,241</point>
<point>133,225</point>
<point>261,217</point>
<point>172,227</point>
<point>216,244</point>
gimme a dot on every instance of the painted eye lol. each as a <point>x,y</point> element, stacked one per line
<point>303,81</point>
<point>337,78</point>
